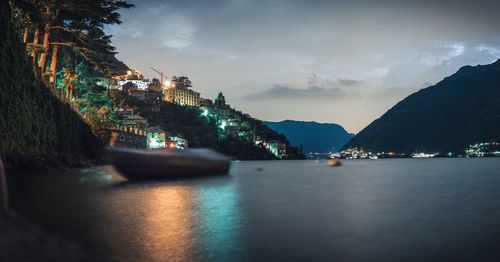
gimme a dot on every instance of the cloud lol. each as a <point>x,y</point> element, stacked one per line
<point>315,92</point>
<point>165,24</point>
<point>133,31</point>
<point>396,93</point>
<point>264,46</point>
<point>349,82</point>
<point>176,31</point>
<point>442,54</point>
<point>317,88</point>
<point>494,52</point>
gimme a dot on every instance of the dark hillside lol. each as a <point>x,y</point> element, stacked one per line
<point>460,110</point>
<point>34,124</point>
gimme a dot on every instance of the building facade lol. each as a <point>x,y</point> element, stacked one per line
<point>206,102</point>
<point>181,96</point>
<point>127,137</point>
<point>133,76</point>
<point>156,138</point>
<point>148,96</point>
<point>133,121</point>
<point>141,84</point>
<point>152,98</point>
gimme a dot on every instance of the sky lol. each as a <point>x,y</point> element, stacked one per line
<point>344,62</point>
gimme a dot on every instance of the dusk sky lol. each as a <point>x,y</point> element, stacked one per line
<point>325,61</point>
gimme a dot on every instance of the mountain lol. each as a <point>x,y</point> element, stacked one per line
<point>462,109</point>
<point>314,137</point>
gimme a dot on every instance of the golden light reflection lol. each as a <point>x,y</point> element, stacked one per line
<point>167,225</point>
<point>169,222</point>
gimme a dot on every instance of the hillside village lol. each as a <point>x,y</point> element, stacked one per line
<point>77,97</point>
<point>139,102</point>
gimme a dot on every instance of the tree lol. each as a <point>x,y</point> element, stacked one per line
<point>182,82</point>
<point>220,101</point>
<point>74,24</point>
<point>155,85</point>
<point>70,79</point>
<point>99,121</point>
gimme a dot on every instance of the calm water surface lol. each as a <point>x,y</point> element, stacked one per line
<point>373,210</point>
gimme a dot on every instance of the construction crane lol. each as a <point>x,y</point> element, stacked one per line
<point>161,76</point>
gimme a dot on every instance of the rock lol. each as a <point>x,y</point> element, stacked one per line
<point>4,203</point>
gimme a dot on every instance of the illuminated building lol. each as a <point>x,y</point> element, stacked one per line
<point>180,96</point>
<point>206,102</point>
<point>224,113</point>
<point>133,76</point>
<point>152,138</point>
<point>128,137</point>
<point>125,111</point>
<point>207,111</point>
<point>135,121</point>
<point>232,131</point>
<point>277,148</point>
<point>483,149</point>
<point>156,138</point>
<point>222,109</point>
<point>423,155</point>
<point>153,98</point>
<point>177,142</point>
<point>141,84</point>
<point>179,92</point>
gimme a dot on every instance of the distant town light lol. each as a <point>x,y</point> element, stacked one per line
<point>223,124</point>
<point>154,143</point>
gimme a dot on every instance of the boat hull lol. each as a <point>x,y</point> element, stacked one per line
<point>142,164</point>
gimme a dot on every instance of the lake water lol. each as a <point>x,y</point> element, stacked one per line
<point>365,210</point>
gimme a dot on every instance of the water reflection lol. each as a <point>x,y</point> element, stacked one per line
<point>395,210</point>
<point>167,224</point>
<point>184,220</point>
<point>219,222</point>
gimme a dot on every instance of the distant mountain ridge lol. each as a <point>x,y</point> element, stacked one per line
<point>313,136</point>
<point>462,109</point>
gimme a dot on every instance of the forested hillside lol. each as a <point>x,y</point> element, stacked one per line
<point>33,122</point>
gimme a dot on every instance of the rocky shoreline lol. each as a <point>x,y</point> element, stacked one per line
<point>44,164</point>
<point>22,240</point>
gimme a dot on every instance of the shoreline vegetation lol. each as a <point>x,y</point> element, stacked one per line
<point>38,131</point>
